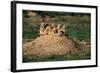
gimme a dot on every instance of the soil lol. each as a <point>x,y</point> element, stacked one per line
<point>51,45</point>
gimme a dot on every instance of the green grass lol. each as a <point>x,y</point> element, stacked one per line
<point>75,56</point>
<point>80,32</point>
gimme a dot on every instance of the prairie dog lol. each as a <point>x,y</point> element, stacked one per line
<point>61,29</point>
<point>54,28</point>
<point>47,30</point>
<point>42,28</point>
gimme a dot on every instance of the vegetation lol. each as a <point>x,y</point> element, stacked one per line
<point>75,56</point>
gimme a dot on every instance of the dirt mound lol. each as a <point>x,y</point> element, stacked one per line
<point>50,45</point>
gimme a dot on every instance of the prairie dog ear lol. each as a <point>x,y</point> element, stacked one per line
<point>53,25</point>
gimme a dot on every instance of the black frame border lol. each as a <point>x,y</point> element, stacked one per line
<point>13,35</point>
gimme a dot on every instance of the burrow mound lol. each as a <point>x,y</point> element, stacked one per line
<point>51,45</point>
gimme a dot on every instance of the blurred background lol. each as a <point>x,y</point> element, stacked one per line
<point>78,25</point>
